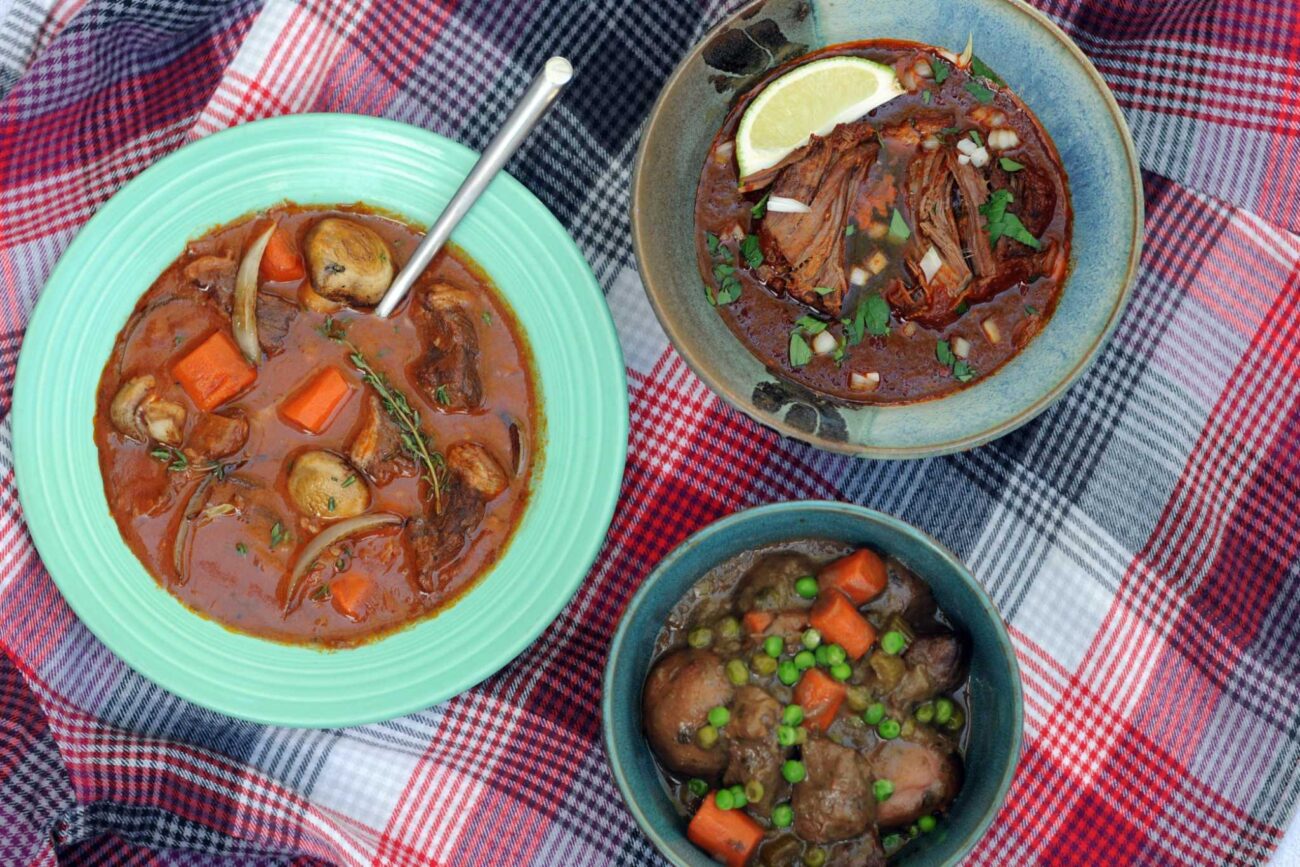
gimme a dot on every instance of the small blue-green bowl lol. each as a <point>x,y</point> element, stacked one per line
<point>996,706</point>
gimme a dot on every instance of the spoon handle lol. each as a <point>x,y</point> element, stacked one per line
<point>531,108</point>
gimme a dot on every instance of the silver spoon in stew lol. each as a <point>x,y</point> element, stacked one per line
<point>539,97</point>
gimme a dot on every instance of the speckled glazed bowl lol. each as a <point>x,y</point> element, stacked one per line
<point>1055,80</point>
<point>996,709</point>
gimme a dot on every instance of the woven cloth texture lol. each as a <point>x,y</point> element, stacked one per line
<point>1140,537</point>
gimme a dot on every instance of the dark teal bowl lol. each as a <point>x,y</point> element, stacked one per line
<point>997,712</point>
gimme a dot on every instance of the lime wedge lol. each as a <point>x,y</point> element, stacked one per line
<point>809,100</point>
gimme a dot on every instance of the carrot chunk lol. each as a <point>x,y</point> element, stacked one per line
<point>214,371</point>
<point>757,621</point>
<point>836,618</point>
<point>280,261</point>
<point>348,593</point>
<point>859,576</point>
<point>820,696</point>
<point>731,836</point>
<point>313,406</point>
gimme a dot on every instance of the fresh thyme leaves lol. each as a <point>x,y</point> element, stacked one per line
<point>349,481</point>
<point>440,395</point>
<point>416,442</point>
<point>487,317</point>
<point>332,329</point>
<point>241,548</point>
<point>321,593</point>
<point>178,462</point>
<point>278,535</point>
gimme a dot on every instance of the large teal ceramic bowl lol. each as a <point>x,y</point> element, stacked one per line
<point>318,159</point>
<point>996,710</point>
<point>1055,80</point>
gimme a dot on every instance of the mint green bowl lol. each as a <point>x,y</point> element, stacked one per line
<point>114,259</point>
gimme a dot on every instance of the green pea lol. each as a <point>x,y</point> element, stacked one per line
<point>804,660</point>
<point>793,771</point>
<point>893,642</point>
<point>738,799</point>
<point>763,664</point>
<point>701,637</point>
<point>754,790</point>
<point>782,815</point>
<point>836,654</point>
<point>888,729</point>
<point>874,713</point>
<point>882,789</point>
<point>943,709</point>
<point>737,672</point>
<point>925,713</point>
<point>927,824</point>
<point>792,715</point>
<point>698,787</point>
<point>729,627</point>
<point>891,841</point>
<point>787,672</point>
<point>858,697</point>
<point>785,735</point>
<point>723,799</point>
<point>719,716</point>
<point>958,720</point>
<point>706,737</point>
<point>821,654</point>
<point>841,671</point>
<point>773,645</point>
<point>806,587</point>
<point>814,857</point>
<point>811,639</point>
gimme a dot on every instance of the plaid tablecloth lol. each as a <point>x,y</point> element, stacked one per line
<point>1140,537</point>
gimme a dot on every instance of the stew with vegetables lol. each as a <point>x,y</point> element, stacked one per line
<point>903,254</point>
<point>807,706</point>
<point>291,465</point>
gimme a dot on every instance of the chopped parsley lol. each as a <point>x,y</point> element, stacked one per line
<point>350,480</point>
<point>241,548</point>
<point>750,249</point>
<point>940,70</point>
<point>331,504</point>
<point>1001,222</point>
<point>800,351</point>
<point>332,329</point>
<point>760,207</point>
<point>175,459</point>
<point>898,228</point>
<point>440,395</point>
<point>1010,165</point>
<point>277,535</point>
<point>981,93</point>
<point>487,317</point>
<point>321,593</point>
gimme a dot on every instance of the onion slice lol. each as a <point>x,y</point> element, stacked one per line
<point>329,536</point>
<point>193,507</point>
<point>243,313</point>
<point>782,205</point>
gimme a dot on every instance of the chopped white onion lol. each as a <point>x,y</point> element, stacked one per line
<point>931,263</point>
<point>877,230</point>
<point>782,205</point>
<point>991,330</point>
<point>877,262</point>
<point>979,158</point>
<point>864,381</point>
<point>736,233</point>
<point>931,143</point>
<point>722,153</point>
<point>824,343</point>
<point>908,329</point>
<point>966,146</point>
<point>947,55</point>
<point>923,69</point>
<point>961,347</point>
<point>1003,139</point>
<point>963,159</point>
<point>858,276</point>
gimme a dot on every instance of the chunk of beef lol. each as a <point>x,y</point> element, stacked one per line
<point>768,585</point>
<point>905,595</point>
<point>211,273</point>
<point>755,714</point>
<point>935,664</point>
<point>447,373</point>
<point>217,436</point>
<point>275,317</point>
<point>929,196</point>
<point>759,760</point>
<point>834,802</point>
<point>974,190</point>
<point>926,779</point>
<point>376,448</point>
<point>1034,199</point>
<point>477,466</point>
<point>679,692</point>
<point>437,539</point>
<point>788,625</point>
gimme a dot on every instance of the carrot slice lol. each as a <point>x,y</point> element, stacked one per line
<point>280,261</point>
<point>757,621</point>
<point>348,593</point>
<point>836,618</point>
<point>214,371</point>
<point>820,696</point>
<point>859,576</point>
<point>731,836</point>
<point>313,406</point>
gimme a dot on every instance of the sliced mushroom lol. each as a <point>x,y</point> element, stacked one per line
<point>324,485</point>
<point>125,409</point>
<point>163,420</point>
<point>479,469</point>
<point>349,261</point>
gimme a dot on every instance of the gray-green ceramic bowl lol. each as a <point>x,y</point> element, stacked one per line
<point>996,711</point>
<point>1055,80</point>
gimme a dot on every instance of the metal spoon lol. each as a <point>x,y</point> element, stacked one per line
<point>536,100</point>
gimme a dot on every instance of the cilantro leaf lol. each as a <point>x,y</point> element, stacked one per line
<point>752,252</point>
<point>940,70</point>
<point>898,228</point>
<point>975,137</point>
<point>1014,229</point>
<point>715,245</point>
<point>926,97</point>
<point>943,352</point>
<point>962,371</point>
<point>800,352</point>
<point>875,314</point>
<point>982,69</point>
<point>760,207</point>
<point>811,324</point>
<point>981,93</point>
<point>1010,165</point>
<point>823,290</point>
